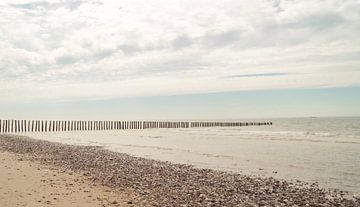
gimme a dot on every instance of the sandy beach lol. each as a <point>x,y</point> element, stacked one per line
<point>28,183</point>
<point>42,173</point>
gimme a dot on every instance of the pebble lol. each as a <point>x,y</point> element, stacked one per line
<point>166,184</point>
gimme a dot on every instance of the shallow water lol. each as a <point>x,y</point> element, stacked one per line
<point>323,150</point>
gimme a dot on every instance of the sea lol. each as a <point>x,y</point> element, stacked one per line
<point>321,150</point>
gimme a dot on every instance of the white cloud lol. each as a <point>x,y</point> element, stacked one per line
<point>93,49</point>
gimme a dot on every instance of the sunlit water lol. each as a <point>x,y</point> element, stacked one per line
<point>323,150</point>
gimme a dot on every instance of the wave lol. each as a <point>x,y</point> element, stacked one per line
<point>289,136</point>
<point>149,147</point>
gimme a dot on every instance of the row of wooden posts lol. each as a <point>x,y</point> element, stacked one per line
<point>18,126</point>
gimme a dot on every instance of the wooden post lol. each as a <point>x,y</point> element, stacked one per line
<point>15,126</point>
<point>36,126</point>
<point>45,126</point>
<point>11,126</point>
<point>51,126</point>
<point>27,125</point>
<point>19,125</point>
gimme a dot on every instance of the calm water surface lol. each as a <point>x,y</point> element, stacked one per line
<point>323,150</point>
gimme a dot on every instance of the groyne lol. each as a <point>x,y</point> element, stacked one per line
<point>21,126</point>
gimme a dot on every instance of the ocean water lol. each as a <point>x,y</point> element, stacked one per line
<point>322,150</point>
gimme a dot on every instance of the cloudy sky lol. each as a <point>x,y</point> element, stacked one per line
<point>90,51</point>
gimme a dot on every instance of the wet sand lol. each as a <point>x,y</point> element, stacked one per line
<point>159,183</point>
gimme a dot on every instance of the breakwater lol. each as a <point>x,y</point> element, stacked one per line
<point>21,126</point>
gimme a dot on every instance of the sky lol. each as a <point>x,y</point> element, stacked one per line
<point>158,59</point>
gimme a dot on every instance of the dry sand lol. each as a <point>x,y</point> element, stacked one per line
<point>27,183</point>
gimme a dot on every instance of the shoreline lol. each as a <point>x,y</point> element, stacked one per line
<point>162,183</point>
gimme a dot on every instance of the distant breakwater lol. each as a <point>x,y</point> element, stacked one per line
<point>23,126</point>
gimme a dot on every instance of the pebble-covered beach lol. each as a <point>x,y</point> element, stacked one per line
<point>165,184</point>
